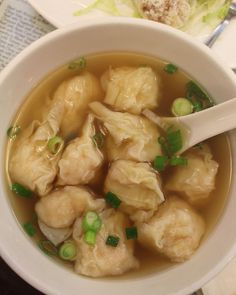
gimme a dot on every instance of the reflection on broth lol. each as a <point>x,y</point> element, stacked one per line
<point>110,196</point>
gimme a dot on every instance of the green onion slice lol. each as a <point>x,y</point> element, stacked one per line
<point>68,250</point>
<point>178,161</point>
<point>21,190</point>
<point>13,131</point>
<point>160,162</point>
<point>98,140</point>
<point>131,233</point>
<point>112,241</point>
<point>112,200</point>
<point>193,89</point>
<point>171,143</point>
<point>181,107</point>
<point>170,69</point>
<point>197,106</point>
<point>29,229</point>
<point>199,98</point>
<point>55,144</point>
<point>77,64</point>
<point>48,248</point>
<point>90,237</point>
<point>91,221</point>
<point>174,141</point>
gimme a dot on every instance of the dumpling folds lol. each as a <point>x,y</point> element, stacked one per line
<point>60,208</point>
<point>131,137</point>
<point>196,180</point>
<point>81,159</point>
<point>131,89</point>
<point>102,260</point>
<point>31,163</point>
<point>74,95</point>
<point>175,230</point>
<point>137,185</point>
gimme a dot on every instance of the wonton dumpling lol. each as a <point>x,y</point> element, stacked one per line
<point>60,208</point>
<point>103,260</point>
<point>131,137</point>
<point>31,163</point>
<point>75,94</point>
<point>131,89</point>
<point>175,230</point>
<point>81,159</point>
<point>138,187</point>
<point>196,180</point>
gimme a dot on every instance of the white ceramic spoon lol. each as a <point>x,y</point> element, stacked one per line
<point>199,126</point>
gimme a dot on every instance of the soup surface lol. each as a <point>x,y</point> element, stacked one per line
<point>152,204</point>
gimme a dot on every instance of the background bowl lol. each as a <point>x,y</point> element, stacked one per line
<point>56,49</point>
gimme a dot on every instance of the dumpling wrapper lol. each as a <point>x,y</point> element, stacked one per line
<point>74,95</point>
<point>102,260</point>
<point>81,158</point>
<point>130,137</point>
<point>32,164</point>
<point>55,235</point>
<point>196,180</point>
<point>60,208</point>
<point>131,89</point>
<point>138,187</point>
<point>175,230</point>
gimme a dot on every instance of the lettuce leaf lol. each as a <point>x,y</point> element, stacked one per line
<point>215,17</point>
<point>112,7</point>
<point>205,16</point>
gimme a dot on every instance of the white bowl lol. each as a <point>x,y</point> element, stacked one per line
<point>106,35</point>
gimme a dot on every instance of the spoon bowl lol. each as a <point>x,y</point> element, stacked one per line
<point>199,126</point>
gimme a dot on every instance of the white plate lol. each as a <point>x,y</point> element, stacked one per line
<point>61,13</point>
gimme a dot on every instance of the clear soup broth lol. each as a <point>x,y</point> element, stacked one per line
<point>172,86</point>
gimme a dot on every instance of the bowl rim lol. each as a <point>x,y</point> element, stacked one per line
<point>4,251</point>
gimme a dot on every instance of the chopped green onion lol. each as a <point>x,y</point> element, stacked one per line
<point>193,89</point>
<point>170,68</point>
<point>160,163</point>
<point>197,106</point>
<point>55,144</point>
<point>91,221</point>
<point>98,140</point>
<point>48,248</point>
<point>29,229</point>
<point>68,250</point>
<point>21,190</point>
<point>113,200</point>
<point>13,131</point>
<point>178,161</point>
<point>90,237</point>
<point>199,98</point>
<point>181,107</point>
<point>131,233</point>
<point>112,241</point>
<point>171,143</point>
<point>174,140</point>
<point>164,145</point>
<point>77,64</point>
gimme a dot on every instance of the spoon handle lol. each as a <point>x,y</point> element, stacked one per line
<point>216,33</point>
<point>209,122</point>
